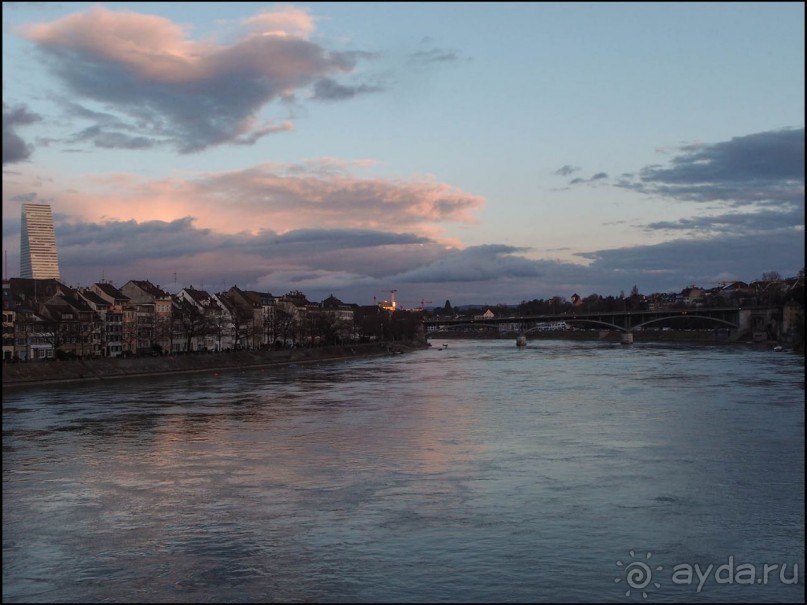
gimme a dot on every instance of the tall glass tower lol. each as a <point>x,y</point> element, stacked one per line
<point>38,256</point>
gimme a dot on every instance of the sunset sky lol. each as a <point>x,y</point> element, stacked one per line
<point>482,153</point>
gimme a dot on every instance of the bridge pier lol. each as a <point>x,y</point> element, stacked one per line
<point>626,338</point>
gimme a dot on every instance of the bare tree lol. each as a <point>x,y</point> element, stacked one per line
<point>191,323</point>
<point>243,325</point>
<point>283,325</point>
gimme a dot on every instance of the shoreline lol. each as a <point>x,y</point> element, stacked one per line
<point>36,373</point>
<point>39,373</point>
<point>613,336</point>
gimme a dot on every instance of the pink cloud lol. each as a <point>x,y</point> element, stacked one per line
<point>287,21</point>
<point>151,46</point>
<point>150,70</point>
<point>294,198</point>
<point>278,197</point>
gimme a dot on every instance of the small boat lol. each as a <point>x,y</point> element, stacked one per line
<point>778,348</point>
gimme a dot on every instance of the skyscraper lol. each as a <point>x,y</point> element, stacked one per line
<point>38,256</point>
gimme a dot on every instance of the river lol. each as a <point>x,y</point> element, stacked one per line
<point>563,471</point>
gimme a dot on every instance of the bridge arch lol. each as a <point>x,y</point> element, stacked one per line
<point>713,319</point>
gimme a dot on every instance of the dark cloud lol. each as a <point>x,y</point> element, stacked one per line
<point>328,89</point>
<point>566,170</point>
<point>758,182</point>
<point>112,140</point>
<point>359,253</point>
<point>352,262</point>
<point>83,244</point>
<point>433,55</point>
<point>475,264</point>
<point>354,238</point>
<point>108,131</point>
<point>600,176</point>
<point>736,223</point>
<point>672,265</point>
<point>357,264</point>
<point>15,149</point>
<point>73,109</point>
<point>766,167</point>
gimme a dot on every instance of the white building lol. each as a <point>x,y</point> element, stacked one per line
<point>38,256</point>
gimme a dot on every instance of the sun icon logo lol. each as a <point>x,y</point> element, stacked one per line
<point>638,574</point>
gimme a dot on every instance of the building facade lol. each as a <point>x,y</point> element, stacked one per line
<point>38,256</point>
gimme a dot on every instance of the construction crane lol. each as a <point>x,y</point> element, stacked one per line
<point>422,302</point>
<point>412,305</point>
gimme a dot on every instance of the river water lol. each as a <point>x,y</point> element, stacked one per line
<point>565,471</point>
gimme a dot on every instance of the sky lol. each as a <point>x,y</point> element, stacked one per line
<point>482,153</point>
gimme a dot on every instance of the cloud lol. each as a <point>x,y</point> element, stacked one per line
<point>671,265</point>
<point>118,242</point>
<point>251,226</point>
<point>297,197</point>
<point>765,167</point>
<point>15,149</point>
<point>754,188</point>
<point>433,55</point>
<point>328,89</point>
<point>320,240</point>
<point>254,226</point>
<point>290,21</point>
<point>112,140</point>
<point>736,223</point>
<point>281,197</point>
<point>334,259</point>
<point>600,176</point>
<point>162,85</point>
<point>354,264</point>
<point>429,55</point>
<point>475,264</point>
<point>566,170</point>
<point>357,264</point>
<point>756,184</point>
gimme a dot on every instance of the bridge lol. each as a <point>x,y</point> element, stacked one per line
<point>737,320</point>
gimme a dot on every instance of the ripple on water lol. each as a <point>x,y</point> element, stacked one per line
<point>478,473</point>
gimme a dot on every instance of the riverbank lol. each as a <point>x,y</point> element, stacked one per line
<point>706,337</point>
<point>47,372</point>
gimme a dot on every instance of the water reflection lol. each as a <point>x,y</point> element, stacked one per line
<point>481,472</point>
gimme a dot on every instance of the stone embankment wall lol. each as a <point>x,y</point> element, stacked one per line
<point>43,372</point>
